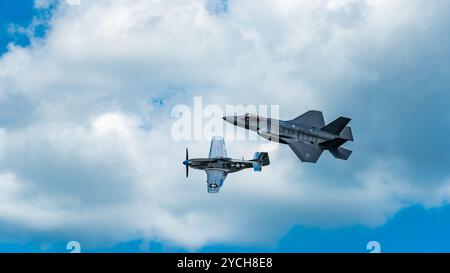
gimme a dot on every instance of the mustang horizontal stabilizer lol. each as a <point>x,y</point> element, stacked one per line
<point>259,160</point>
<point>262,157</point>
<point>257,166</point>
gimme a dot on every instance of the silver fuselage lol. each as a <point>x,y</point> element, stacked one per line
<point>277,130</point>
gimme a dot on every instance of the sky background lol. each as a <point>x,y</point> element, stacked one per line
<point>86,152</point>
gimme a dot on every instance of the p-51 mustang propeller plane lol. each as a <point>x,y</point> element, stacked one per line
<point>218,165</point>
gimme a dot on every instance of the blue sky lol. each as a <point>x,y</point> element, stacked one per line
<point>414,229</point>
<point>21,14</point>
<point>81,104</point>
<point>14,12</point>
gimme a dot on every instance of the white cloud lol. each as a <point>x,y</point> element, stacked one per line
<point>43,4</point>
<point>80,162</point>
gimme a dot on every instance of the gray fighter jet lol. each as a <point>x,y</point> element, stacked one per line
<point>307,135</point>
<point>218,165</point>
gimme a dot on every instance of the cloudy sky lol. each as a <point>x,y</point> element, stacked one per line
<point>87,89</point>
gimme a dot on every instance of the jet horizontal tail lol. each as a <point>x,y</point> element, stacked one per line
<point>347,134</point>
<point>340,153</point>
<point>333,143</point>
<point>336,127</point>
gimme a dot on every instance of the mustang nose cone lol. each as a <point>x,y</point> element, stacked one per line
<point>186,162</point>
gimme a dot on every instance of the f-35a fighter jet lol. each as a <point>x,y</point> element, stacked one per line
<point>218,165</point>
<point>307,135</point>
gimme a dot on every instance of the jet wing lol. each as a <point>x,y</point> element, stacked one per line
<point>312,118</point>
<point>217,148</point>
<point>305,151</point>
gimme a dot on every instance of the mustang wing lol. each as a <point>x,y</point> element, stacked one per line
<point>217,148</point>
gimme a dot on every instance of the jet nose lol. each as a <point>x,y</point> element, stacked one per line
<point>229,119</point>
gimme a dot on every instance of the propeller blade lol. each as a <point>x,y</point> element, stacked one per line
<point>187,163</point>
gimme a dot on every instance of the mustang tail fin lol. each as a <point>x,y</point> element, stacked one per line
<point>259,160</point>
